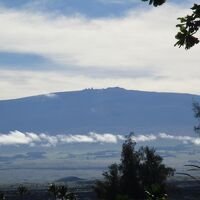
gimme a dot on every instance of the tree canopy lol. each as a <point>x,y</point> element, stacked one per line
<point>61,192</point>
<point>139,173</point>
<point>196,109</point>
<point>188,26</point>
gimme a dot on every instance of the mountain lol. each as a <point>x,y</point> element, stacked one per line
<point>70,179</point>
<point>114,110</point>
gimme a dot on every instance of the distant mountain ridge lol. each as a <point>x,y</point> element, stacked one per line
<point>114,110</point>
<point>70,179</point>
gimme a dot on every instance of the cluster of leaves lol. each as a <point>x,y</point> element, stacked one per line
<point>155,2</point>
<point>139,174</point>
<point>188,26</point>
<point>61,192</point>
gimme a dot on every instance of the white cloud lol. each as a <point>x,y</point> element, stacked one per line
<point>184,139</point>
<point>104,138</point>
<point>76,139</point>
<point>33,139</point>
<point>18,138</point>
<point>48,140</point>
<point>138,42</point>
<point>140,39</point>
<point>144,138</point>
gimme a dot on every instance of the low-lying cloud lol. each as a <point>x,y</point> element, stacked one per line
<point>184,139</point>
<point>32,139</point>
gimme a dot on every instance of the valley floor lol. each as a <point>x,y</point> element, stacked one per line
<point>177,190</point>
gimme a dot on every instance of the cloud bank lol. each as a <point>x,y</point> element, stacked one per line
<point>32,139</point>
<point>134,51</point>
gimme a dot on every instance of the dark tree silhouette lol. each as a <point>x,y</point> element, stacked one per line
<point>61,192</point>
<point>139,173</point>
<point>2,196</point>
<point>109,188</point>
<point>53,189</point>
<point>22,191</point>
<point>71,196</point>
<point>196,109</point>
<point>188,26</point>
<point>153,173</point>
<point>130,164</point>
<point>155,2</point>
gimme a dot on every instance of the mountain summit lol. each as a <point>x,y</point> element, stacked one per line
<point>114,110</point>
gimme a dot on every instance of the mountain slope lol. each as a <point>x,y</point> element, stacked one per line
<point>103,110</point>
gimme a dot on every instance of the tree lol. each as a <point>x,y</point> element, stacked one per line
<point>61,192</point>
<point>2,196</point>
<point>71,196</point>
<point>155,2</point>
<point>139,172</point>
<point>22,191</point>
<point>188,26</point>
<point>130,164</point>
<point>109,188</point>
<point>53,189</point>
<point>153,173</point>
<point>196,109</point>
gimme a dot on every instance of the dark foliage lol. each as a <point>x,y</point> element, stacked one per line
<point>138,174</point>
<point>2,196</point>
<point>53,189</point>
<point>61,192</point>
<point>110,188</point>
<point>188,26</point>
<point>156,2</point>
<point>196,109</point>
<point>129,168</point>
<point>22,191</point>
<point>151,196</point>
<point>153,172</point>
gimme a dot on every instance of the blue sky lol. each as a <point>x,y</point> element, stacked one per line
<point>90,8</point>
<point>60,45</point>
